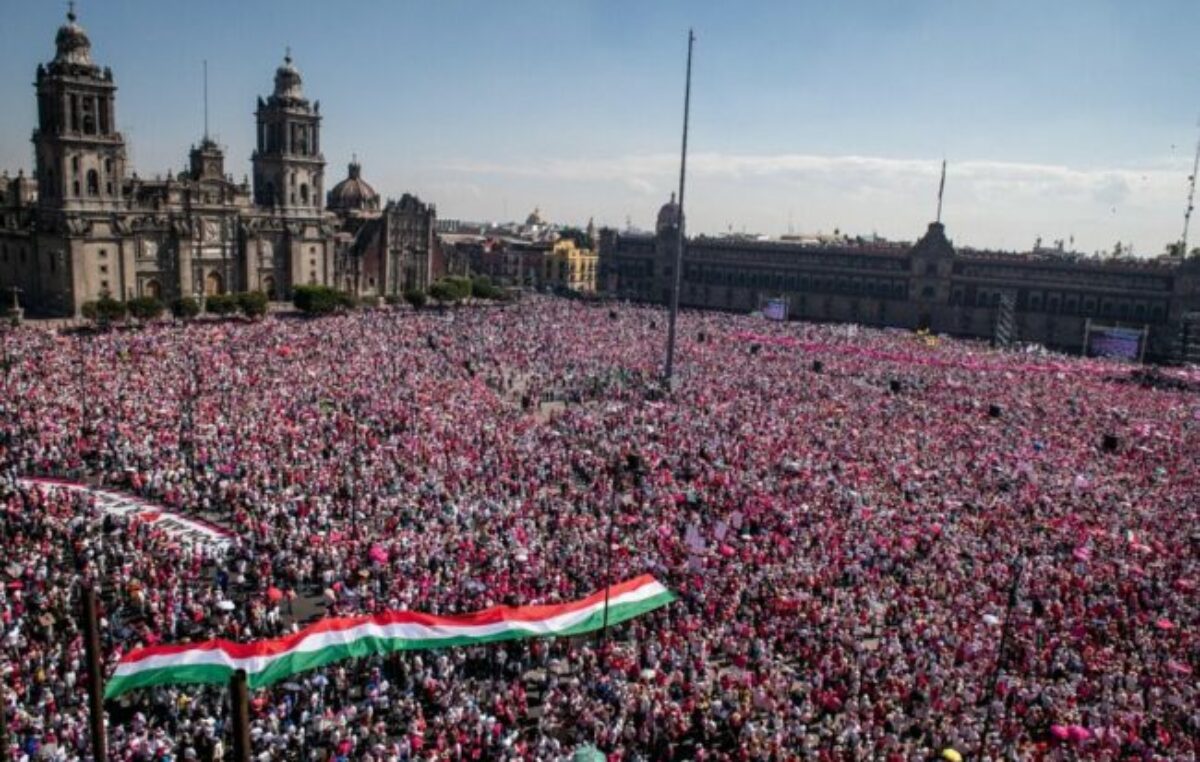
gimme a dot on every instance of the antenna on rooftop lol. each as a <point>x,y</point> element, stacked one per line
<point>1187,215</point>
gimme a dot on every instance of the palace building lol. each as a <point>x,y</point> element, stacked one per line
<point>83,226</point>
<point>1041,297</point>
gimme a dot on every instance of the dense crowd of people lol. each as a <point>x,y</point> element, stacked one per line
<point>885,547</point>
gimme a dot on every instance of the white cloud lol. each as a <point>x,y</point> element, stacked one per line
<point>988,203</point>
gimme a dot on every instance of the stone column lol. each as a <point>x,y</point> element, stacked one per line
<point>79,282</point>
<point>125,252</point>
<point>185,267</point>
<point>295,251</point>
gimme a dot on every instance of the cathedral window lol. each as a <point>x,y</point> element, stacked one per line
<point>89,117</point>
<point>304,194</point>
<point>93,183</point>
<point>75,164</point>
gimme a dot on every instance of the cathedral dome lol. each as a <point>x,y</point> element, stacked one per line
<point>287,80</point>
<point>353,193</point>
<point>535,218</point>
<point>72,43</point>
<point>668,215</point>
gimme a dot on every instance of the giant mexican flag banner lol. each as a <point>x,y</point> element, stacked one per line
<point>331,640</point>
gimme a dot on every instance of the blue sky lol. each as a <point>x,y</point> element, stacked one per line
<point>1059,119</point>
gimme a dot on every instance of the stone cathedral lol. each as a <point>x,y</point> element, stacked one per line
<point>83,226</point>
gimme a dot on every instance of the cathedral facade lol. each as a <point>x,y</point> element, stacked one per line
<point>83,226</point>
<point>383,249</point>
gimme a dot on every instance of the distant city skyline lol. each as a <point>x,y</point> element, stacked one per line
<point>1075,120</point>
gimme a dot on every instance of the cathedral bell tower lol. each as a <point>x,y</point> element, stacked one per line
<point>289,168</point>
<point>79,155</point>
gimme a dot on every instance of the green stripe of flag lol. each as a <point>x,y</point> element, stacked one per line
<point>290,664</point>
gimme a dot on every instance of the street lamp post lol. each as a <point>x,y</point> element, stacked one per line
<point>632,467</point>
<point>80,371</point>
<point>612,523</point>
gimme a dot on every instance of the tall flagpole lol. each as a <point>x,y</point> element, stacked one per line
<point>677,273</point>
<point>941,190</point>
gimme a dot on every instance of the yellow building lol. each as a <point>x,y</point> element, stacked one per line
<point>568,266</point>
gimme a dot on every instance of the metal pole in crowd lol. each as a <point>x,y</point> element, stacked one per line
<point>1013,592</point>
<point>240,700</point>
<point>91,643</point>
<point>612,522</point>
<point>83,392</point>
<point>677,272</point>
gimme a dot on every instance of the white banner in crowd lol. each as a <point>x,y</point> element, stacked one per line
<point>120,504</point>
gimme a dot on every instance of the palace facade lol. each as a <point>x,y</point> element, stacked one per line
<point>83,227</point>
<point>1038,297</point>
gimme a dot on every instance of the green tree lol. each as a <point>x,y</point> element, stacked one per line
<point>252,303</point>
<point>460,287</point>
<point>89,311</point>
<point>483,288</point>
<point>145,308</point>
<point>185,308</point>
<point>109,310</point>
<point>320,300</point>
<point>416,297</point>
<point>441,292</point>
<point>221,304</point>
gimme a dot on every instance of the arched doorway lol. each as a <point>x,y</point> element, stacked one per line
<point>152,289</point>
<point>268,287</point>
<point>213,284</point>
